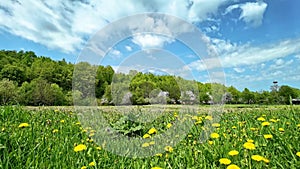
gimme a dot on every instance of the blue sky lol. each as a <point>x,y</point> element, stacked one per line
<point>256,41</point>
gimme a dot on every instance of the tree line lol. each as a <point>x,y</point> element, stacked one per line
<point>27,79</point>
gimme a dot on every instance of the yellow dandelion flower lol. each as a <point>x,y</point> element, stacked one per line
<point>233,153</point>
<point>214,135</point>
<point>159,154</point>
<point>298,154</point>
<point>268,136</point>
<point>62,121</point>
<point>190,135</point>
<point>249,146</point>
<point>233,166</point>
<point>261,119</point>
<point>273,120</point>
<point>250,141</point>
<point>98,148</point>
<point>77,123</point>
<point>233,127</point>
<point>55,131</point>
<point>169,149</point>
<point>265,123</point>
<point>23,125</point>
<point>83,167</point>
<point>146,135</point>
<point>266,160</point>
<point>216,125</point>
<point>156,168</point>
<point>208,118</point>
<point>169,125</point>
<point>145,145</point>
<point>298,125</point>
<point>80,147</point>
<point>151,142</point>
<point>92,164</point>
<point>281,129</point>
<point>253,129</point>
<point>257,157</point>
<point>210,142</point>
<point>152,131</point>
<point>225,161</point>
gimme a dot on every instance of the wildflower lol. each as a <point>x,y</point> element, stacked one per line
<point>268,136</point>
<point>225,161</point>
<point>210,142</point>
<point>146,135</point>
<point>92,164</point>
<point>80,147</point>
<point>233,166</point>
<point>169,149</point>
<point>266,160</point>
<point>159,155</point>
<point>261,119</point>
<point>298,154</point>
<point>98,148</point>
<point>250,141</point>
<point>62,121</point>
<point>253,129</point>
<point>83,167</point>
<point>273,120</point>
<point>298,125</point>
<point>216,125</point>
<point>281,129</point>
<point>233,153</point>
<point>151,142</point>
<point>233,127</point>
<point>156,168</point>
<point>257,157</point>
<point>265,123</point>
<point>152,131</point>
<point>249,146</point>
<point>77,123</point>
<point>145,145</point>
<point>208,118</point>
<point>55,131</point>
<point>169,125</point>
<point>23,125</point>
<point>214,135</point>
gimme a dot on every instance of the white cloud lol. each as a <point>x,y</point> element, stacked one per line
<point>252,12</point>
<point>128,48</point>
<point>239,70</point>
<point>66,25</point>
<point>150,41</point>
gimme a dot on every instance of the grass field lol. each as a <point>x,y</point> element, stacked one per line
<point>244,137</point>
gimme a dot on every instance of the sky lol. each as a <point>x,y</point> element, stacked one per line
<point>254,42</point>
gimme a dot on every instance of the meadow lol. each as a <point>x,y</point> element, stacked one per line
<point>241,137</point>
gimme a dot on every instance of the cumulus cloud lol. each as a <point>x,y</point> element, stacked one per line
<point>67,25</point>
<point>151,41</point>
<point>252,12</point>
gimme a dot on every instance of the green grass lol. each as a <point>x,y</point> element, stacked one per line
<point>40,146</point>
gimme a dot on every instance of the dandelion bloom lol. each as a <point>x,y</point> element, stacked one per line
<point>273,120</point>
<point>208,118</point>
<point>152,131</point>
<point>216,125</point>
<point>62,121</point>
<point>214,135</point>
<point>261,119</point>
<point>265,123</point>
<point>92,164</point>
<point>298,154</point>
<point>210,142</point>
<point>250,141</point>
<point>281,129</point>
<point>156,168</point>
<point>98,148</point>
<point>257,157</point>
<point>298,125</point>
<point>80,147</point>
<point>266,160</point>
<point>253,129</point>
<point>233,153</point>
<point>233,166</point>
<point>159,154</point>
<point>145,145</point>
<point>23,125</point>
<point>268,136</point>
<point>151,142</point>
<point>146,135</point>
<point>83,167</point>
<point>169,149</point>
<point>169,125</point>
<point>77,123</point>
<point>233,127</point>
<point>55,131</point>
<point>225,161</point>
<point>249,146</point>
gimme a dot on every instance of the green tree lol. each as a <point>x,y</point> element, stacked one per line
<point>8,91</point>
